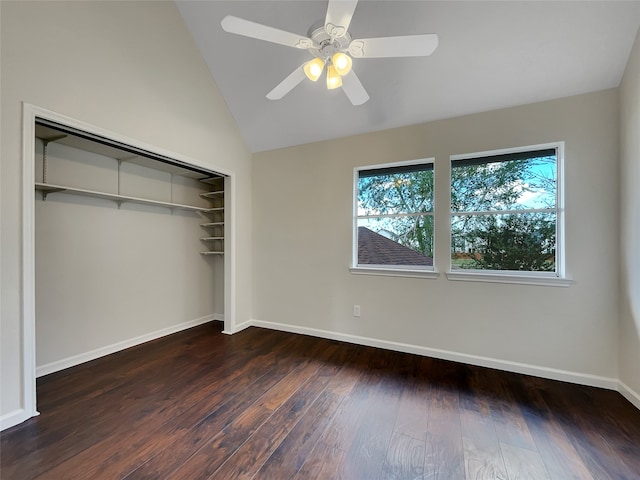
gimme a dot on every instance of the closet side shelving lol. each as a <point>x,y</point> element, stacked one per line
<point>214,224</point>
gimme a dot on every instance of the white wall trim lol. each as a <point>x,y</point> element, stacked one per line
<point>506,365</point>
<point>16,417</point>
<point>519,279</point>
<point>28,323</point>
<point>397,272</point>
<point>116,347</point>
<point>230,252</point>
<point>240,327</point>
<point>629,394</point>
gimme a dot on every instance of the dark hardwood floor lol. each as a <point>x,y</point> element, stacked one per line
<point>270,405</point>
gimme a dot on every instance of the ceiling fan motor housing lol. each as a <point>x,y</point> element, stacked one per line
<point>324,45</point>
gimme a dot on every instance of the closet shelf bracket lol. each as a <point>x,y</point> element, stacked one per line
<point>45,146</point>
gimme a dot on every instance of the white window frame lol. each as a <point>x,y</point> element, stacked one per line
<point>411,271</point>
<point>557,278</point>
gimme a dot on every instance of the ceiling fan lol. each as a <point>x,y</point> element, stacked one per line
<point>332,47</point>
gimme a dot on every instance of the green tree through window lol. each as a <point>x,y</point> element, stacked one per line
<point>504,212</point>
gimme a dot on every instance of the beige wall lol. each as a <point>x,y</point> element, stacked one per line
<point>302,243</point>
<point>126,67</point>
<point>630,221</point>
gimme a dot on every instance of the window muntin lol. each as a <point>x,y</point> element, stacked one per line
<point>505,212</point>
<point>394,216</point>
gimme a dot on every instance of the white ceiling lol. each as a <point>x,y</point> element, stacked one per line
<point>491,55</point>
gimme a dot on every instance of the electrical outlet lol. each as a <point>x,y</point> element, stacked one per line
<point>356,310</point>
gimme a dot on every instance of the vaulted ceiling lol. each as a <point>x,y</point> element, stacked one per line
<point>491,55</point>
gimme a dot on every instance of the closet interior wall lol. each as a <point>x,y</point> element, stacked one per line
<point>111,274</point>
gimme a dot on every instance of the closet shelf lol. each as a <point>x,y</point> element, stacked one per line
<point>212,180</point>
<point>212,210</point>
<point>212,194</point>
<point>212,224</point>
<point>211,253</point>
<point>211,239</point>
<point>47,188</point>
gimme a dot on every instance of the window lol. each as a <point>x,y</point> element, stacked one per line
<point>506,212</point>
<point>393,221</point>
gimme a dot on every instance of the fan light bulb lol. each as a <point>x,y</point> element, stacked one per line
<point>313,69</point>
<point>342,62</point>
<point>333,78</point>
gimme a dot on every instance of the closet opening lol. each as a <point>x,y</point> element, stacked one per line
<point>124,243</point>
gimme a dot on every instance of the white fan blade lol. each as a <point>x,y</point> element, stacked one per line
<point>353,89</point>
<point>338,18</point>
<point>240,26</point>
<point>405,46</point>
<point>287,84</point>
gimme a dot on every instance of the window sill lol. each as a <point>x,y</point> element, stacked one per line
<point>394,272</point>
<point>509,278</point>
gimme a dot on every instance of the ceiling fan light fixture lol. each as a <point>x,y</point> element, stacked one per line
<point>332,47</point>
<point>313,68</point>
<point>333,78</point>
<point>342,62</point>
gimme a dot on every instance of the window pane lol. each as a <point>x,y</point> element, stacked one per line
<point>397,192</point>
<point>525,183</point>
<point>396,241</point>
<point>519,242</point>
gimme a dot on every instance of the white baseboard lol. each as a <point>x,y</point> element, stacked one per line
<point>10,419</point>
<point>515,367</point>
<point>629,394</point>
<point>13,418</point>
<point>239,328</point>
<point>116,347</point>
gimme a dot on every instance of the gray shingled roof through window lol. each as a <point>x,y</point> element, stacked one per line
<point>375,249</point>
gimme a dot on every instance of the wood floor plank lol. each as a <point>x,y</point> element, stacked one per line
<point>366,455</point>
<point>413,410</point>
<point>324,462</point>
<point>477,394</point>
<point>264,404</point>
<point>482,455</point>
<point>207,459</point>
<point>404,459</point>
<point>292,453</point>
<point>444,456</point>
<point>587,433</point>
<point>348,419</point>
<point>556,450</point>
<point>523,464</point>
<point>510,425</point>
<point>251,456</point>
<point>560,457</point>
